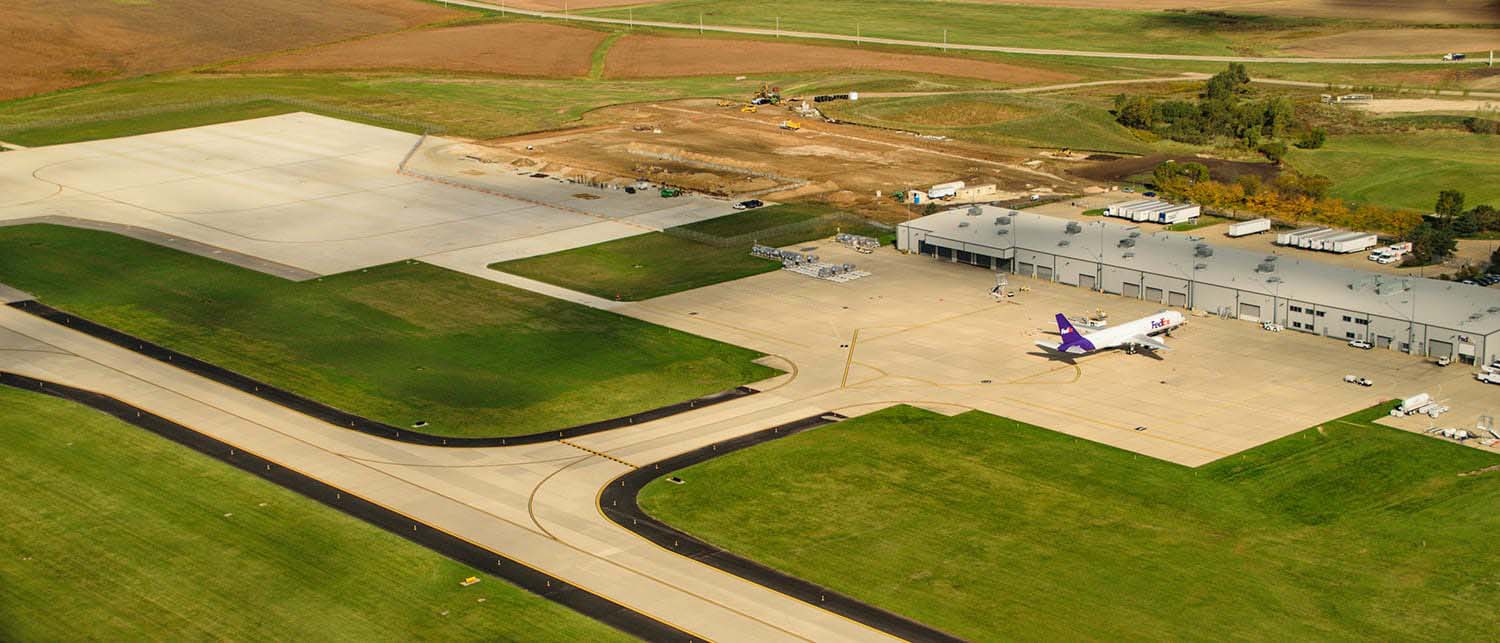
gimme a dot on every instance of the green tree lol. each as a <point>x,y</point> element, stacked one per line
<point>1450,203</point>
<point>1313,139</point>
<point>1274,151</point>
<point>1278,115</point>
<point>1135,112</point>
<point>1431,244</point>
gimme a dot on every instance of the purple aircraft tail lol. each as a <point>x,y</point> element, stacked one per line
<point>1071,338</point>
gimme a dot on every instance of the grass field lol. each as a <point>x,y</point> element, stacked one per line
<point>1203,221</point>
<point>995,530</point>
<point>398,343</point>
<point>656,264</point>
<point>1000,119</point>
<point>114,534</point>
<point>1407,170</point>
<point>1002,24</point>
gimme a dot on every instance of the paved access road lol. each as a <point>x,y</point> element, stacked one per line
<point>535,504</point>
<point>926,44</point>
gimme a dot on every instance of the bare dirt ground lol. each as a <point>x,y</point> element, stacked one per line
<point>54,44</point>
<point>659,56</point>
<point>1410,11</point>
<point>1396,42</point>
<point>521,49</point>
<point>1123,168</point>
<point>1401,105</point>
<point>703,147</point>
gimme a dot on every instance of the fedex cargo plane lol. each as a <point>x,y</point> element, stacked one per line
<point>1131,335</point>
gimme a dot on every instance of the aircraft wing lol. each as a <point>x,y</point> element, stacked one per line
<point>1150,342</point>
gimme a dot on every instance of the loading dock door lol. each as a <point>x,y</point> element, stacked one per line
<point>1178,299</point>
<point>1132,290</point>
<point>1044,272</point>
<point>1086,281</point>
<point>944,253</point>
<point>1153,294</point>
<point>1024,269</point>
<point>1438,348</point>
<point>1465,353</point>
<point>1382,341</point>
<point>1249,312</point>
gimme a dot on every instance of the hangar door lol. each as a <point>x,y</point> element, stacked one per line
<point>1178,299</point>
<point>1439,348</point>
<point>1086,281</point>
<point>1024,268</point>
<point>1044,272</point>
<point>1249,312</point>
<point>1132,290</point>
<point>1153,294</point>
<point>1381,341</point>
<point>1466,353</point>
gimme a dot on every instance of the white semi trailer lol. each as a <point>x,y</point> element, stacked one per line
<point>1253,226</point>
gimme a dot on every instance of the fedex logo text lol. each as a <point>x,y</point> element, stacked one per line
<point>1160,323</point>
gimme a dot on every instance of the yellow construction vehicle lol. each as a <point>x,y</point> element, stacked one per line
<point>748,109</point>
<point>727,103</point>
<point>791,125</point>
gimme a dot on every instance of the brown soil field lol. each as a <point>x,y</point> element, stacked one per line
<point>1220,169</point>
<point>53,44</point>
<point>1395,42</point>
<point>571,5</point>
<point>659,56</point>
<point>697,145</point>
<point>520,49</point>
<point>1408,11</point>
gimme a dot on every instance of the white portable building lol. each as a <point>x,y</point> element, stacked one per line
<point>945,190</point>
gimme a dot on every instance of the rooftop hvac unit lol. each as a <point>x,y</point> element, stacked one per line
<point>1266,267</point>
<point>1200,266</point>
<point>1476,316</point>
<point>1204,251</point>
<point>1001,232</point>
<point>1128,255</point>
<point>1064,242</point>
<point>1274,280</point>
<point>1271,258</point>
<point>1493,309</point>
<point>1073,227</point>
<point>1134,234</point>
<point>975,210</point>
<point>1127,243</point>
<point>963,224</point>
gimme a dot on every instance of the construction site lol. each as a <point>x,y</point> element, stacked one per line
<point>770,147</point>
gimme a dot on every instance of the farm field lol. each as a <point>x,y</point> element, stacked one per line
<point>1424,11</point>
<point>113,531</point>
<point>656,264</point>
<point>1407,170</point>
<point>400,343</point>
<point>661,56</point>
<point>1329,533</point>
<point>1397,41</point>
<point>1004,24</point>
<point>53,45</point>
<point>504,48</point>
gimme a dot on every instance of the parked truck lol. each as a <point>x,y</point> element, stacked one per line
<point>1411,405</point>
<point>1253,226</point>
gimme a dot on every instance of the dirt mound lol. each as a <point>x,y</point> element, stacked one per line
<point>1219,169</point>
<point>49,45</point>
<point>661,56</point>
<point>1396,42</point>
<point>518,49</point>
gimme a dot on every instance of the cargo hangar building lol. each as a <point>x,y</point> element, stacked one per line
<point>1409,314</point>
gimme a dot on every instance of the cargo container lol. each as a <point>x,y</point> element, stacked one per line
<point>1253,226</point>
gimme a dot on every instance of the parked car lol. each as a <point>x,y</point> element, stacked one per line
<point>1360,343</point>
<point>1148,194</point>
<point>748,205</point>
<point>1365,381</point>
<point>1355,379</point>
<point>1444,360</point>
<point>1275,328</point>
<point>1127,189</point>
